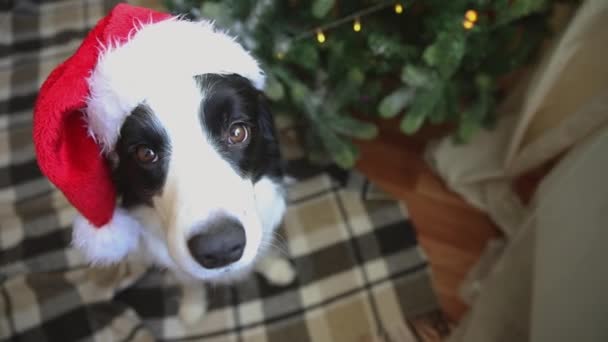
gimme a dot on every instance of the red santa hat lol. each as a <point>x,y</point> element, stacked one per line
<point>85,100</point>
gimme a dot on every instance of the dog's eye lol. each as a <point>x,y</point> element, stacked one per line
<point>145,155</point>
<point>238,134</point>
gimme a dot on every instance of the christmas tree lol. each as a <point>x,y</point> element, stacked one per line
<point>331,63</point>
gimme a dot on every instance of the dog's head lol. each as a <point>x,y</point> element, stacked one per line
<point>176,123</point>
<point>198,164</point>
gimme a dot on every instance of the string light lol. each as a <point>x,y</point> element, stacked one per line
<point>398,8</point>
<point>354,18</point>
<point>471,15</point>
<point>357,25</point>
<point>467,24</point>
<point>320,37</point>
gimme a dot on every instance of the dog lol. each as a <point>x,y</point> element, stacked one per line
<point>204,163</point>
<point>169,116</point>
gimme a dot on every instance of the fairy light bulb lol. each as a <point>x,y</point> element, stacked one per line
<point>471,15</point>
<point>320,37</point>
<point>357,25</point>
<point>467,24</point>
<point>398,8</point>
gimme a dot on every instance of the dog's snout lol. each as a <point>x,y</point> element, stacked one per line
<point>221,243</point>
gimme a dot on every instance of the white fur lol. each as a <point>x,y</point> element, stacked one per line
<point>271,206</point>
<point>153,238</point>
<point>200,186</point>
<point>125,75</point>
<point>156,242</point>
<point>276,270</point>
<point>269,197</point>
<point>156,67</point>
<point>107,244</point>
<point>193,304</point>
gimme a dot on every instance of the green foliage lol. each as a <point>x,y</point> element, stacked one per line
<point>274,89</point>
<point>304,54</point>
<point>417,76</point>
<point>421,65</point>
<point>218,11</point>
<point>446,52</point>
<point>424,104</point>
<point>395,102</point>
<point>320,8</point>
<point>352,127</point>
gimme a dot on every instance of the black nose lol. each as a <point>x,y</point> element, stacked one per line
<point>221,243</point>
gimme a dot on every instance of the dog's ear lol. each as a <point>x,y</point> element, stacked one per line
<point>266,122</point>
<point>269,133</point>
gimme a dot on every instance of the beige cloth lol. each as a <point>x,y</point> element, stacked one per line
<point>548,282</point>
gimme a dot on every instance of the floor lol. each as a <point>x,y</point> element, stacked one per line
<point>451,232</point>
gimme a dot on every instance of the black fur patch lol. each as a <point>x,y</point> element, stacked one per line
<point>137,182</point>
<point>227,99</point>
<point>232,98</point>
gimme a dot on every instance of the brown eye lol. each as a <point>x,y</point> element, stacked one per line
<point>239,133</point>
<point>145,155</point>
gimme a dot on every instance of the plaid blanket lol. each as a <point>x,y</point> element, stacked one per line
<point>360,274</point>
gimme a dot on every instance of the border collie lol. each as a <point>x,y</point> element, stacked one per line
<point>204,163</point>
<point>177,109</point>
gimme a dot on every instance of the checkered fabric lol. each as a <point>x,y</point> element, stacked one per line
<point>360,274</point>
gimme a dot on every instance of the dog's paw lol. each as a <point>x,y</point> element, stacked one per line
<point>278,272</point>
<point>192,313</point>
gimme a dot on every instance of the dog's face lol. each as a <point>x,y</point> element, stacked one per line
<point>198,164</point>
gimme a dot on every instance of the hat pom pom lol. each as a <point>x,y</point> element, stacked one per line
<point>109,243</point>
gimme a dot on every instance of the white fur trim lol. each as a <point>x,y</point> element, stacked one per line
<point>107,244</point>
<point>155,54</point>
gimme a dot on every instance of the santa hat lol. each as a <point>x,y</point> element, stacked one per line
<point>85,100</point>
